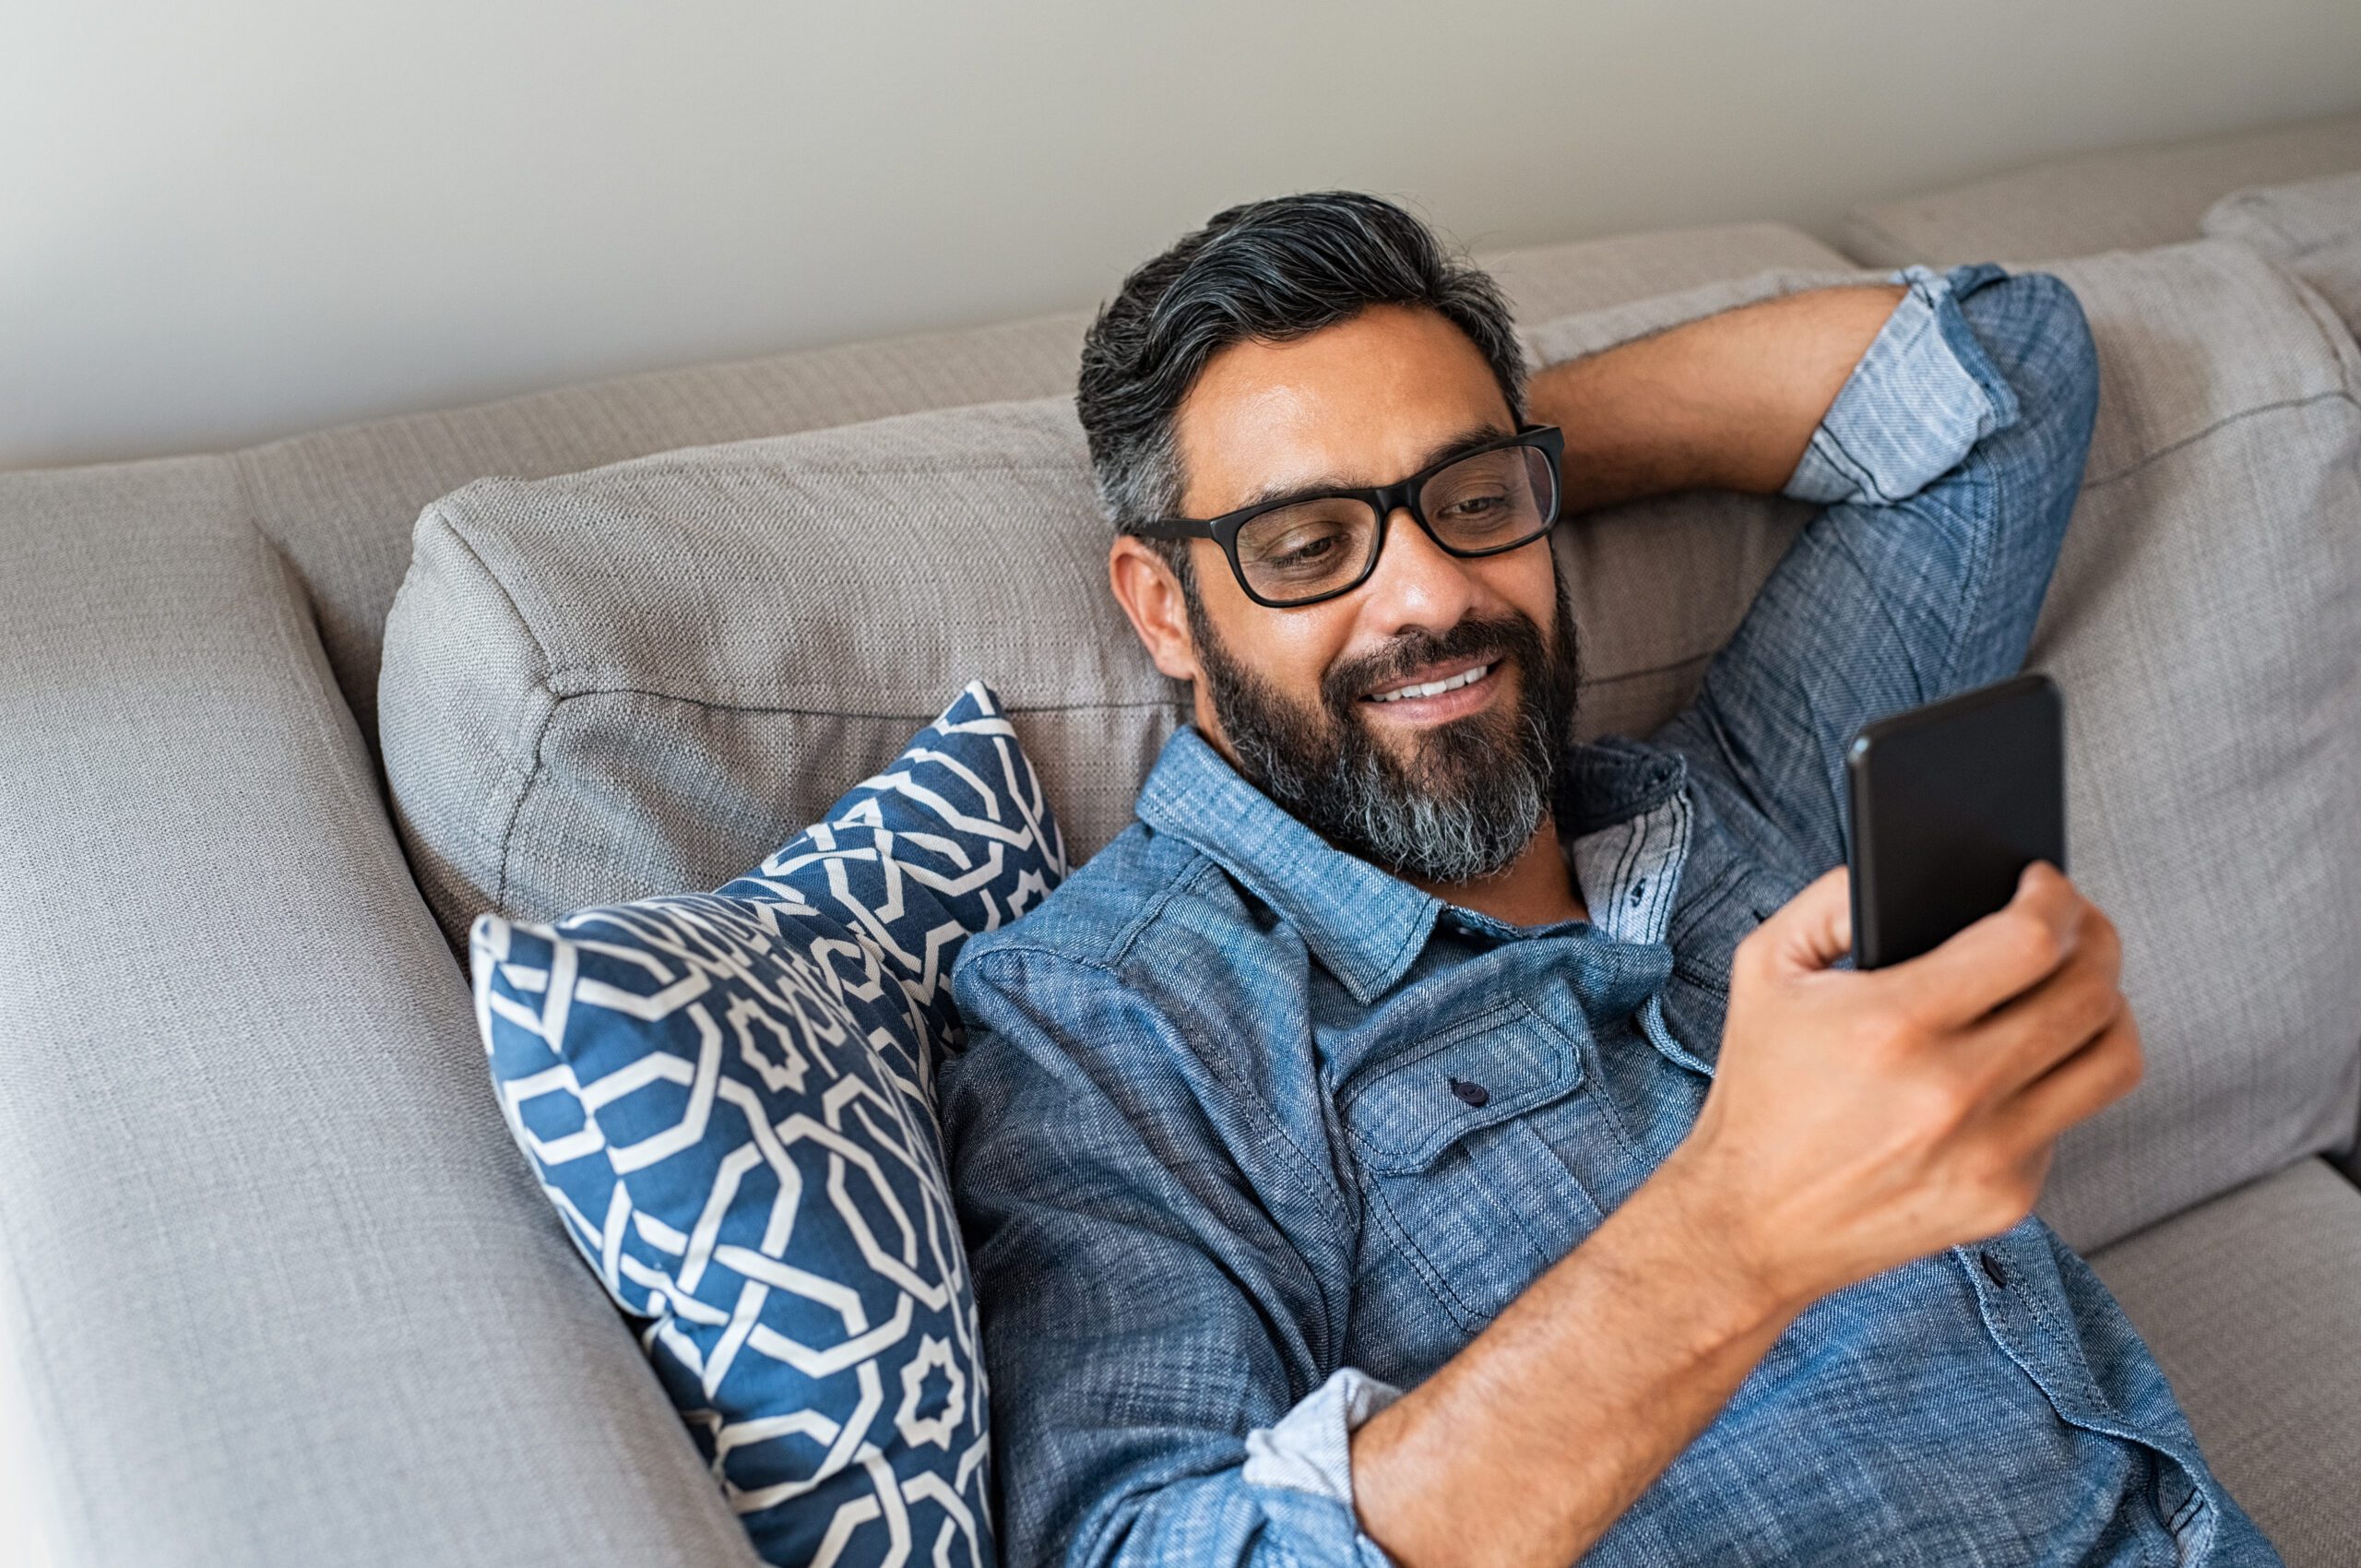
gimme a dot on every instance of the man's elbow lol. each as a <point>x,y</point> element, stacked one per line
<point>2035,329</point>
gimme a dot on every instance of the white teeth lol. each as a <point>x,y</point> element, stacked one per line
<point>1435,688</point>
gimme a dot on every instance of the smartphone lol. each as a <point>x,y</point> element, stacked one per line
<point>1950,803</point>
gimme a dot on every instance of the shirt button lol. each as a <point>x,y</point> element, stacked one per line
<point>1471,1092</point>
<point>1992,1268</point>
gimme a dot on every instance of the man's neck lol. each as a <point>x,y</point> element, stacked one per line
<point>1537,888</point>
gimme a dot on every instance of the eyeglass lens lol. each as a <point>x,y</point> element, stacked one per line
<point>1485,502</point>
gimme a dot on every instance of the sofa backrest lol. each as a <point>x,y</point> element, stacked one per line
<point>340,505</point>
<point>2123,198</point>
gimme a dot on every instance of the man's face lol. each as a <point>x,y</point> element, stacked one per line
<point>1319,705</point>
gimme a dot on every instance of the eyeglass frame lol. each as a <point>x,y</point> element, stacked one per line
<point>1384,499</point>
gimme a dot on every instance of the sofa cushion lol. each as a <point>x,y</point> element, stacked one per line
<point>2200,626</point>
<point>2126,198</point>
<point>624,682</point>
<point>2252,1304</point>
<point>636,680</point>
<point>729,1097</point>
<point>630,680</point>
<point>2312,228</point>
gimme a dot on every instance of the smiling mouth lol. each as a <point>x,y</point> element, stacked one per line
<point>1467,677</point>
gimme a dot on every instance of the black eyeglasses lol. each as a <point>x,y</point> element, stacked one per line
<point>1491,498</point>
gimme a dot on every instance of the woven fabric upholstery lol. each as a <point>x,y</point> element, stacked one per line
<point>2312,228</point>
<point>281,1290</point>
<point>2252,1304</point>
<point>340,505</point>
<point>2213,723</point>
<point>2123,199</point>
<point>635,681</point>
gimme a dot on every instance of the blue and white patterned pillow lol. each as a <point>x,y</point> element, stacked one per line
<point>729,1097</point>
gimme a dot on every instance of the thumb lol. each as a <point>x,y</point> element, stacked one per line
<point>1814,928</point>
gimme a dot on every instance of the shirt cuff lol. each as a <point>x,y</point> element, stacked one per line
<point>1309,1448</point>
<point>1920,399</point>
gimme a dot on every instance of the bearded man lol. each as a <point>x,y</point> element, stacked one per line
<point>1422,1138</point>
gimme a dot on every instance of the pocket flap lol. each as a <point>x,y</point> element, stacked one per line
<point>1475,1074</point>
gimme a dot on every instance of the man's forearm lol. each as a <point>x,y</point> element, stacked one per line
<point>1527,1445</point>
<point>1728,401</point>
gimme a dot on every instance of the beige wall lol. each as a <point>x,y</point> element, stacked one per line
<point>224,221</point>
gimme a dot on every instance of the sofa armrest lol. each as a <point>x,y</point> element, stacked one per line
<point>280,1289</point>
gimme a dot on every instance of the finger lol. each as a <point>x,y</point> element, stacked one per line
<point>1811,929</point>
<point>2085,1083</point>
<point>2001,956</point>
<point>2026,1036</point>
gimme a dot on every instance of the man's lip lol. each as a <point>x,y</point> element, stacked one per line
<point>1442,671</point>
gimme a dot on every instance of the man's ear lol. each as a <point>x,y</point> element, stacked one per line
<point>1151,595</point>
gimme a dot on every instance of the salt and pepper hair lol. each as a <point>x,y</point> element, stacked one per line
<point>1267,271</point>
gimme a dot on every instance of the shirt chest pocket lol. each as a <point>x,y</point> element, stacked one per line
<point>1484,1152</point>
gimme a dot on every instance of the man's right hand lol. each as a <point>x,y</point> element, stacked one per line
<point>1855,1122</point>
<point>1858,1121</point>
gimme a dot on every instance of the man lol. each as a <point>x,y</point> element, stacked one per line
<point>1420,1138</point>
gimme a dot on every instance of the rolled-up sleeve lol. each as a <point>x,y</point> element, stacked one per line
<point>1948,466</point>
<point>1150,1250</point>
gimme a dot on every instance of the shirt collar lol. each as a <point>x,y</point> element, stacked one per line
<point>1364,926</point>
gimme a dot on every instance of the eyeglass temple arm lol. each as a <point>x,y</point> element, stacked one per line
<point>1171,527</point>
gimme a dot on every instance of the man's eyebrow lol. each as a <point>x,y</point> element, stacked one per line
<point>1450,447</point>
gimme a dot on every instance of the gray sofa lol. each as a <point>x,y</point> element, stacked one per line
<point>276,1288</point>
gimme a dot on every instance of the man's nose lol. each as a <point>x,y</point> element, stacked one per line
<point>1416,582</point>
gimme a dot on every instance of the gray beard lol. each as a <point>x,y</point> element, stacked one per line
<point>1477,788</point>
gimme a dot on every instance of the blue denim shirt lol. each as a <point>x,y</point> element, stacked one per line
<point>1222,1201</point>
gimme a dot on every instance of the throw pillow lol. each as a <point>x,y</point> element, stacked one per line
<point>728,1098</point>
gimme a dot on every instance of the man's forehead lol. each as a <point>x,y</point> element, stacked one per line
<point>1363,402</point>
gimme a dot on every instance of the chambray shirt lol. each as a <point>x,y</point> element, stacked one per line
<point>1248,1136</point>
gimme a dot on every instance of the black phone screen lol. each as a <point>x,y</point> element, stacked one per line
<point>1950,803</point>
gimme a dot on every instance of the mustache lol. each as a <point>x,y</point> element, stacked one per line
<point>1511,637</point>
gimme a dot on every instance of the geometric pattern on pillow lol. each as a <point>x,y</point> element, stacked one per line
<point>727,1098</point>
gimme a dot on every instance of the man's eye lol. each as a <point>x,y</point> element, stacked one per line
<point>1302,550</point>
<point>1476,505</point>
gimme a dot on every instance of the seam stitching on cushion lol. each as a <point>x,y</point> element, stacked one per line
<point>559,698</point>
<point>1682,662</point>
<point>517,808</point>
<point>253,513</point>
<point>1175,704</point>
<point>2292,250</point>
<point>450,525</point>
<point>893,469</point>
<point>550,698</point>
<point>2338,394</point>
<point>251,510</point>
